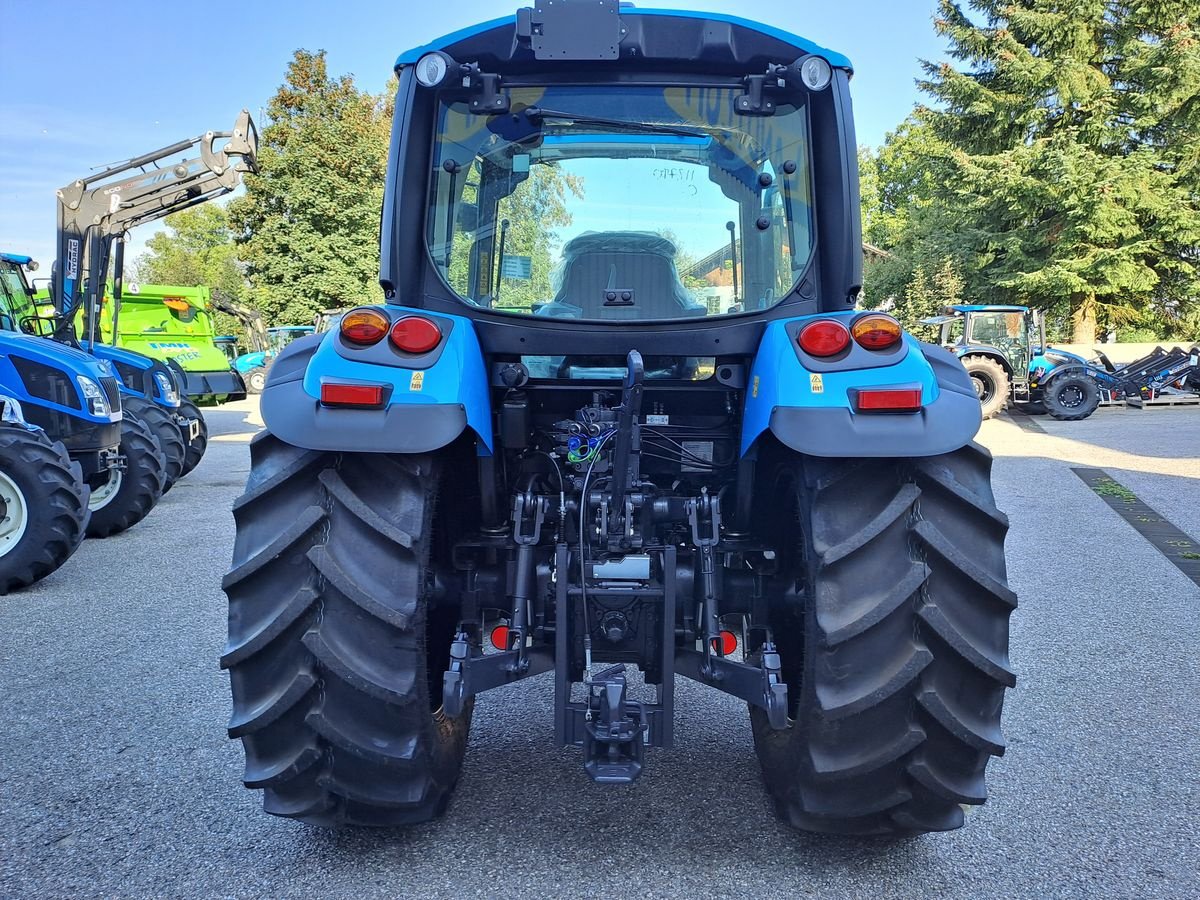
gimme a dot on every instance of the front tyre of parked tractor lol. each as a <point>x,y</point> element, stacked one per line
<point>256,380</point>
<point>43,506</point>
<point>125,494</point>
<point>338,639</point>
<point>195,437</point>
<point>896,659</point>
<point>166,431</point>
<point>1071,396</point>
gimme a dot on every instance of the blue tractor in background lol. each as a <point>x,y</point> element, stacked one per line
<point>1004,350</point>
<point>88,465</point>
<point>254,366</point>
<point>543,440</point>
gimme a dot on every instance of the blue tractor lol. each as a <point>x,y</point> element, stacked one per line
<point>74,401</point>
<point>253,366</point>
<point>1004,350</point>
<point>544,440</point>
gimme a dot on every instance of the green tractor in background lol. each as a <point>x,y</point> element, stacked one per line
<point>174,324</point>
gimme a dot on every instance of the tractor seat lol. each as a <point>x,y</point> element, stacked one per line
<point>641,263</point>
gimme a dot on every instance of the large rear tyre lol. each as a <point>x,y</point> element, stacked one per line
<point>1072,397</point>
<point>336,650</point>
<point>43,507</point>
<point>166,431</point>
<point>195,445</point>
<point>895,650</point>
<point>991,383</point>
<point>126,495</point>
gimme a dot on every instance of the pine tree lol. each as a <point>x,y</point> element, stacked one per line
<point>1070,130</point>
<point>308,224</point>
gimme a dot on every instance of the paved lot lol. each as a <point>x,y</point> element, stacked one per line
<point>116,778</point>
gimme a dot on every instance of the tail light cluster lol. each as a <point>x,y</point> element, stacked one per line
<point>829,337</point>
<point>824,338</point>
<point>365,327</point>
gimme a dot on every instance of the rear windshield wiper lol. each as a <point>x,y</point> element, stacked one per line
<point>532,113</point>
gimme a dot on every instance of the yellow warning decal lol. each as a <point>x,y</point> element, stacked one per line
<point>816,383</point>
<point>756,379</point>
<point>417,382</point>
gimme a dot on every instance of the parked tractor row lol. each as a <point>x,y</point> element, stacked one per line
<point>93,434</point>
<point>1005,351</point>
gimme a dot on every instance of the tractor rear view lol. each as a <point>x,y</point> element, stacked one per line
<point>547,441</point>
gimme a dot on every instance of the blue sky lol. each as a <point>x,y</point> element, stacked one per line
<point>85,83</point>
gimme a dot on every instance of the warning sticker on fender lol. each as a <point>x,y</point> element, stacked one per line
<point>816,383</point>
<point>417,382</point>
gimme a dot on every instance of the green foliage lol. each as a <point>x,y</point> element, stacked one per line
<point>534,211</point>
<point>926,295</point>
<point>1068,162</point>
<point>308,224</point>
<point>1058,166</point>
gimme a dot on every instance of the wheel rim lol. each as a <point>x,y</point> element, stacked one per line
<point>103,495</point>
<point>257,380</point>
<point>983,387</point>
<point>15,512</point>
<point>1071,396</point>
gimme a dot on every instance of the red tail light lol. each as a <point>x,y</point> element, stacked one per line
<point>725,644</point>
<point>877,332</point>
<point>888,400</point>
<point>416,334</point>
<point>824,337</point>
<point>364,326</point>
<point>363,396</point>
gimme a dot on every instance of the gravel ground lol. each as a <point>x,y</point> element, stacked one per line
<point>116,778</point>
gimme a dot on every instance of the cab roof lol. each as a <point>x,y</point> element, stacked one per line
<point>983,307</point>
<point>800,45</point>
<point>17,258</point>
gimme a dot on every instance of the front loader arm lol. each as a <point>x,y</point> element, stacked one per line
<point>251,318</point>
<point>96,209</point>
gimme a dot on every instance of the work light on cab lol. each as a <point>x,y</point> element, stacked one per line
<point>432,69</point>
<point>877,332</point>
<point>416,334</point>
<point>824,337</point>
<point>364,327</point>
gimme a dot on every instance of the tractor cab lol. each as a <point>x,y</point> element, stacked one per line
<point>1013,335</point>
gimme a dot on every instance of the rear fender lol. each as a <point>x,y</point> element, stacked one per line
<point>431,400</point>
<point>812,411</point>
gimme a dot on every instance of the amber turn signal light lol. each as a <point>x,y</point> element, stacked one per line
<point>364,326</point>
<point>877,332</point>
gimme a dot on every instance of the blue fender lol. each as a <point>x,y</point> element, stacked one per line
<point>808,404</point>
<point>430,400</point>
